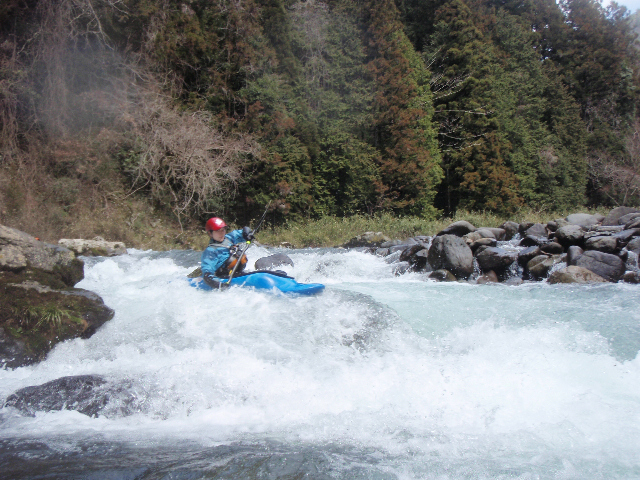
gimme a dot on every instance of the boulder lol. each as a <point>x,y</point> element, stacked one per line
<point>273,261</point>
<point>458,229</point>
<point>631,277</point>
<point>634,223</point>
<point>552,248</point>
<point>626,235</point>
<point>608,244</point>
<point>608,266</point>
<point>616,214</point>
<point>367,239</point>
<point>451,253</point>
<point>537,230</point>
<point>570,235</point>
<point>634,245</point>
<point>483,242</point>
<point>629,218</point>
<point>531,241</point>
<point>495,258</point>
<point>584,219</point>
<point>573,252</point>
<point>478,235</point>
<point>416,256</point>
<point>574,274</point>
<point>38,306</point>
<point>510,229</point>
<point>442,275</point>
<point>98,247</point>
<point>488,277</point>
<point>539,267</point>
<point>499,234</point>
<point>527,254</point>
<point>87,394</point>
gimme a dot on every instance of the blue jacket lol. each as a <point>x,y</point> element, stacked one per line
<point>217,253</point>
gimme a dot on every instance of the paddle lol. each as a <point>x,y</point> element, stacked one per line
<point>248,244</point>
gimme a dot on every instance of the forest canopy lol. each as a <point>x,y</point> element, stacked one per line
<point>334,107</point>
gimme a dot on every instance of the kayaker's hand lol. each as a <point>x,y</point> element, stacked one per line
<point>247,233</point>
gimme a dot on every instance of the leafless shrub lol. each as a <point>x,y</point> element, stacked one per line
<point>618,179</point>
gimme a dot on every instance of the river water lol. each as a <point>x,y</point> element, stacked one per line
<point>379,377</point>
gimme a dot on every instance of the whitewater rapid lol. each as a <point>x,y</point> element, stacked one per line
<point>380,376</point>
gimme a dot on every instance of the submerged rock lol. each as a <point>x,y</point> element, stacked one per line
<point>273,261</point>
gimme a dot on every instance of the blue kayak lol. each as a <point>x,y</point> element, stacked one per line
<point>264,280</point>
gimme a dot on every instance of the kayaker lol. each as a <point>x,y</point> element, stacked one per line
<point>222,253</point>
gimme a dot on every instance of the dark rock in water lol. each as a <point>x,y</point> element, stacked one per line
<point>524,226</point>
<point>494,258</point>
<point>573,253</point>
<point>401,268</point>
<point>616,214</point>
<point>608,266</point>
<point>552,248</point>
<point>510,229</point>
<point>458,229</point>
<point>13,352</point>
<point>634,245</point>
<point>540,266</point>
<point>273,261</point>
<point>574,274</point>
<point>607,244</point>
<point>392,243</point>
<point>488,277</point>
<point>531,241</point>
<point>527,254</point>
<point>443,275</point>
<point>416,256</point>
<point>381,252</point>
<point>451,253</point>
<point>537,230</point>
<point>631,277</point>
<point>483,242</point>
<point>90,395</point>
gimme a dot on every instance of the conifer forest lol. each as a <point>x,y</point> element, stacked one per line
<point>327,107</point>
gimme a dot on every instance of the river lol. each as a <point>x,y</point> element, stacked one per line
<point>379,377</point>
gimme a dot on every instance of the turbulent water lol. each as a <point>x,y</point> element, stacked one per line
<point>379,377</point>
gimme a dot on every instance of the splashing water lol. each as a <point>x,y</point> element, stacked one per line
<point>381,376</point>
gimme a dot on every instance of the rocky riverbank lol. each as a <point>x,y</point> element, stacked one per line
<point>580,248</point>
<point>39,306</point>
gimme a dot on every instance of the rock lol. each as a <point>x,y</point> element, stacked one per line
<point>607,244</point>
<point>524,226</point>
<point>614,215</point>
<point>98,247</point>
<point>570,235</point>
<point>494,258</point>
<point>584,219</point>
<point>634,245</point>
<point>628,218</point>
<point>483,242</point>
<point>458,229</point>
<point>634,223</point>
<point>367,239</point>
<point>527,254</point>
<point>451,253</point>
<point>43,256</point>
<point>86,394</point>
<point>392,243</point>
<point>608,266</point>
<point>273,261</point>
<point>552,226</point>
<point>573,252</point>
<point>442,275</point>
<point>381,252</point>
<point>510,229</point>
<point>537,230</point>
<point>631,277</point>
<point>38,307</point>
<point>552,248</point>
<point>531,241</point>
<point>626,235</point>
<point>488,277</point>
<point>478,235</point>
<point>574,274</point>
<point>416,256</point>
<point>539,266</point>
<point>500,234</point>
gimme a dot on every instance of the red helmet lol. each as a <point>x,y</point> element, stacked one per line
<point>214,224</point>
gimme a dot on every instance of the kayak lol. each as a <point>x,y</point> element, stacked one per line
<point>264,280</point>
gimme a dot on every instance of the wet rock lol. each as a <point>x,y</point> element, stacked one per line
<point>616,214</point>
<point>537,230</point>
<point>442,275</point>
<point>273,261</point>
<point>574,274</point>
<point>634,245</point>
<point>527,254</point>
<point>86,394</point>
<point>488,277</point>
<point>483,242</point>
<point>631,277</point>
<point>540,266</point>
<point>479,234</point>
<point>608,266</point>
<point>495,258</point>
<point>531,241</point>
<point>451,253</point>
<point>510,229</point>
<point>98,247</point>
<point>458,229</point>
<point>416,256</point>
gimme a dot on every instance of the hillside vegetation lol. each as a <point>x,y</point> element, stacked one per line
<point>137,119</point>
